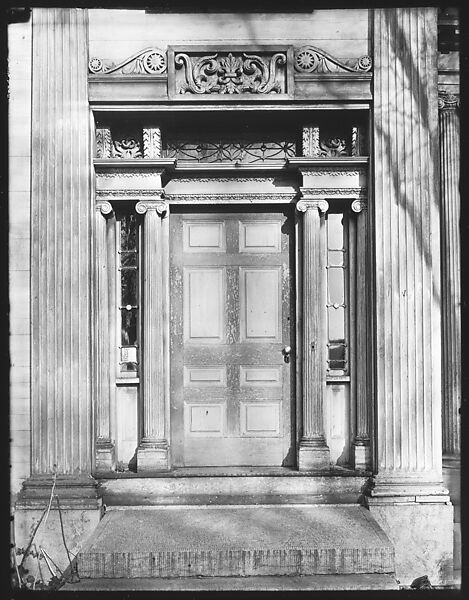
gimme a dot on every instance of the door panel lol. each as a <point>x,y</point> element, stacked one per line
<point>230,320</point>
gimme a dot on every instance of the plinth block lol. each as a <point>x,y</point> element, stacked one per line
<point>152,457</point>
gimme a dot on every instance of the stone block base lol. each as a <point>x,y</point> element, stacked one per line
<point>313,458</point>
<point>152,457</point>
<point>78,526</point>
<point>105,457</point>
<point>422,535</point>
<point>361,456</point>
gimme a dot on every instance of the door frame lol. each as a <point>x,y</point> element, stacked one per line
<point>343,179</point>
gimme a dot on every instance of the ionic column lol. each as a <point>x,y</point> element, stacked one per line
<point>361,442</point>
<point>104,448</point>
<point>450,270</point>
<point>153,450</point>
<point>313,450</point>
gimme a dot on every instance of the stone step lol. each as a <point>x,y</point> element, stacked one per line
<point>214,489</point>
<point>236,540</point>
<point>271,583</point>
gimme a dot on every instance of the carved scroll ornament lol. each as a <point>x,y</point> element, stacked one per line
<point>231,74</point>
<point>309,59</point>
<point>150,61</point>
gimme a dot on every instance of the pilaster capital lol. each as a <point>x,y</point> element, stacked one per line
<point>104,207</point>
<point>161,207</point>
<point>359,205</point>
<point>312,203</point>
<point>447,100</point>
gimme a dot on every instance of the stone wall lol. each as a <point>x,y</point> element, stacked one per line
<point>117,34</point>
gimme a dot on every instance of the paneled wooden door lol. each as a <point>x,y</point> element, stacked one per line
<point>231,328</point>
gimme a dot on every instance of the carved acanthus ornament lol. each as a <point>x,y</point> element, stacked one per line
<point>150,61</point>
<point>126,147</point>
<point>103,143</point>
<point>161,207</point>
<point>332,147</point>
<point>152,143</point>
<point>230,74</point>
<point>309,59</point>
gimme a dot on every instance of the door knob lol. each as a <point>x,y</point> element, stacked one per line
<point>286,353</point>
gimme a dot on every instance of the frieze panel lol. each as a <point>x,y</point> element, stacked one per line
<point>228,72</point>
<point>309,59</point>
<point>150,61</point>
<point>231,74</point>
<point>244,152</point>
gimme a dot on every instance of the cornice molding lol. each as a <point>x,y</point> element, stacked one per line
<point>358,192</point>
<point>239,198</point>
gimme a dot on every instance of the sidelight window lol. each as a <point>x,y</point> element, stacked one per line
<point>128,264</point>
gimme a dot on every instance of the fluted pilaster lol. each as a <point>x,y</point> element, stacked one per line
<point>152,453</point>
<point>407,249</point>
<point>450,271</point>
<point>313,450</point>
<point>61,226</point>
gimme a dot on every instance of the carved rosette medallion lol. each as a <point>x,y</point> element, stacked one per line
<point>233,73</point>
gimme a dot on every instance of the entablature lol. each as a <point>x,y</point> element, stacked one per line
<point>286,182</point>
<point>231,74</point>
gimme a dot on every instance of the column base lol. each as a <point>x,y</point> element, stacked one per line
<point>418,519</point>
<point>80,513</point>
<point>105,457</point>
<point>152,456</point>
<point>313,457</point>
<point>361,456</point>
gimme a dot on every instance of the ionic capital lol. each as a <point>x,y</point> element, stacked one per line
<point>314,203</point>
<point>446,100</point>
<point>104,207</point>
<point>359,205</point>
<point>161,207</point>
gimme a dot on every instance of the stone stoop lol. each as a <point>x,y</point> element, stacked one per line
<point>236,541</point>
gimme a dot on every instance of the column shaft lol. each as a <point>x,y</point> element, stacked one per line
<point>361,444</point>
<point>152,453</point>
<point>451,277</point>
<point>407,249</point>
<point>104,365</point>
<point>61,226</point>
<point>313,450</point>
